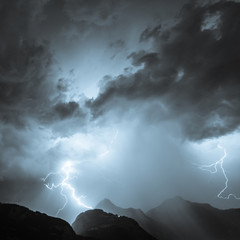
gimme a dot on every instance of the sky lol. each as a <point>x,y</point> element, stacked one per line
<point>136,101</point>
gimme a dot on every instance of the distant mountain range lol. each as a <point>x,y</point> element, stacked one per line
<point>188,220</point>
<point>178,219</point>
<point>175,219</point>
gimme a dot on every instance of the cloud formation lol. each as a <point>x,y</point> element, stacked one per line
<point>163,75</point>
<point>193,73</point>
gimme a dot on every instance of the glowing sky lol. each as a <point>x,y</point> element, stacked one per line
<point>135,95</point>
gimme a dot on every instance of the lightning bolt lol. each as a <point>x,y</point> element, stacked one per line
<point>213,168</point>
<point>65,174</point>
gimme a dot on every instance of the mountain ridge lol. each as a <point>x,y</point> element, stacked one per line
<point>177,218</point>
<point>147,223</point>
<point>97,223</point>
<point>18,222</point>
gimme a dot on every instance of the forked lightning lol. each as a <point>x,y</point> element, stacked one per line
<point>65,174</point>
<point>213,168</point>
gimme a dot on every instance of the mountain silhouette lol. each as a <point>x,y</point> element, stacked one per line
<point>20,223</point>
<point>189,220</point>
<point>148,224</point>
<point>137,214</point>
<point>102,225</point>
<point>174,219</point>
<point>180,219</point>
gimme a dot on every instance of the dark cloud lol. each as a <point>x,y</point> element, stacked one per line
<point>62,20</point>
<point>32,100</point>
<point>117,44</point>
<point>28,73</point>
<point>66,109</point>
<point>32,33</point>
<point>190,70</point>
<point>70,109</point>
<point>97,12</point>
<point>150,33</point>
<point>177,75</point>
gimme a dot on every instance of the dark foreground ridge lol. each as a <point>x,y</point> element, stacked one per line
<point>147,223</point>
<point>99,224</point>
<point>175,219</point>
<point>20,223</point>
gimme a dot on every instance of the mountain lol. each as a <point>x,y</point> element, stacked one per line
<point>20,223</point>
<point>180,219</point>
<point>137,214</point>
<point>148,224</point>
<point>99,224</point>
<point>174,219</point>
<point>188,220</point>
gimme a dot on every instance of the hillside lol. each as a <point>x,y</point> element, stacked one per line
<point>189,220</point>
<point>97,223</point>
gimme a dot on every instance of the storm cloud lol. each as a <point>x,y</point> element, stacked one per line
<point>135,93</point>
<point>190,70</point>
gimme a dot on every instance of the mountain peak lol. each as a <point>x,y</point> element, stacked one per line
<point>105,204</point>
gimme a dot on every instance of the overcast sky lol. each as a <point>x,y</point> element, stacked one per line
<point>136,96</point>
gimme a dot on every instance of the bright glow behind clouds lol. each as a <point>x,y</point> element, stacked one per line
<point>87,149</point>
<point>56,52</point>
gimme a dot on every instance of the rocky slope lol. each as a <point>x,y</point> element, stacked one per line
<point>102,225</point>
<point>20,223</point>
<point>147,223</point>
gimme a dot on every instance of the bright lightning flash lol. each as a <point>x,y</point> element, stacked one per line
<point>65,174</point>
<point>213,168</point>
